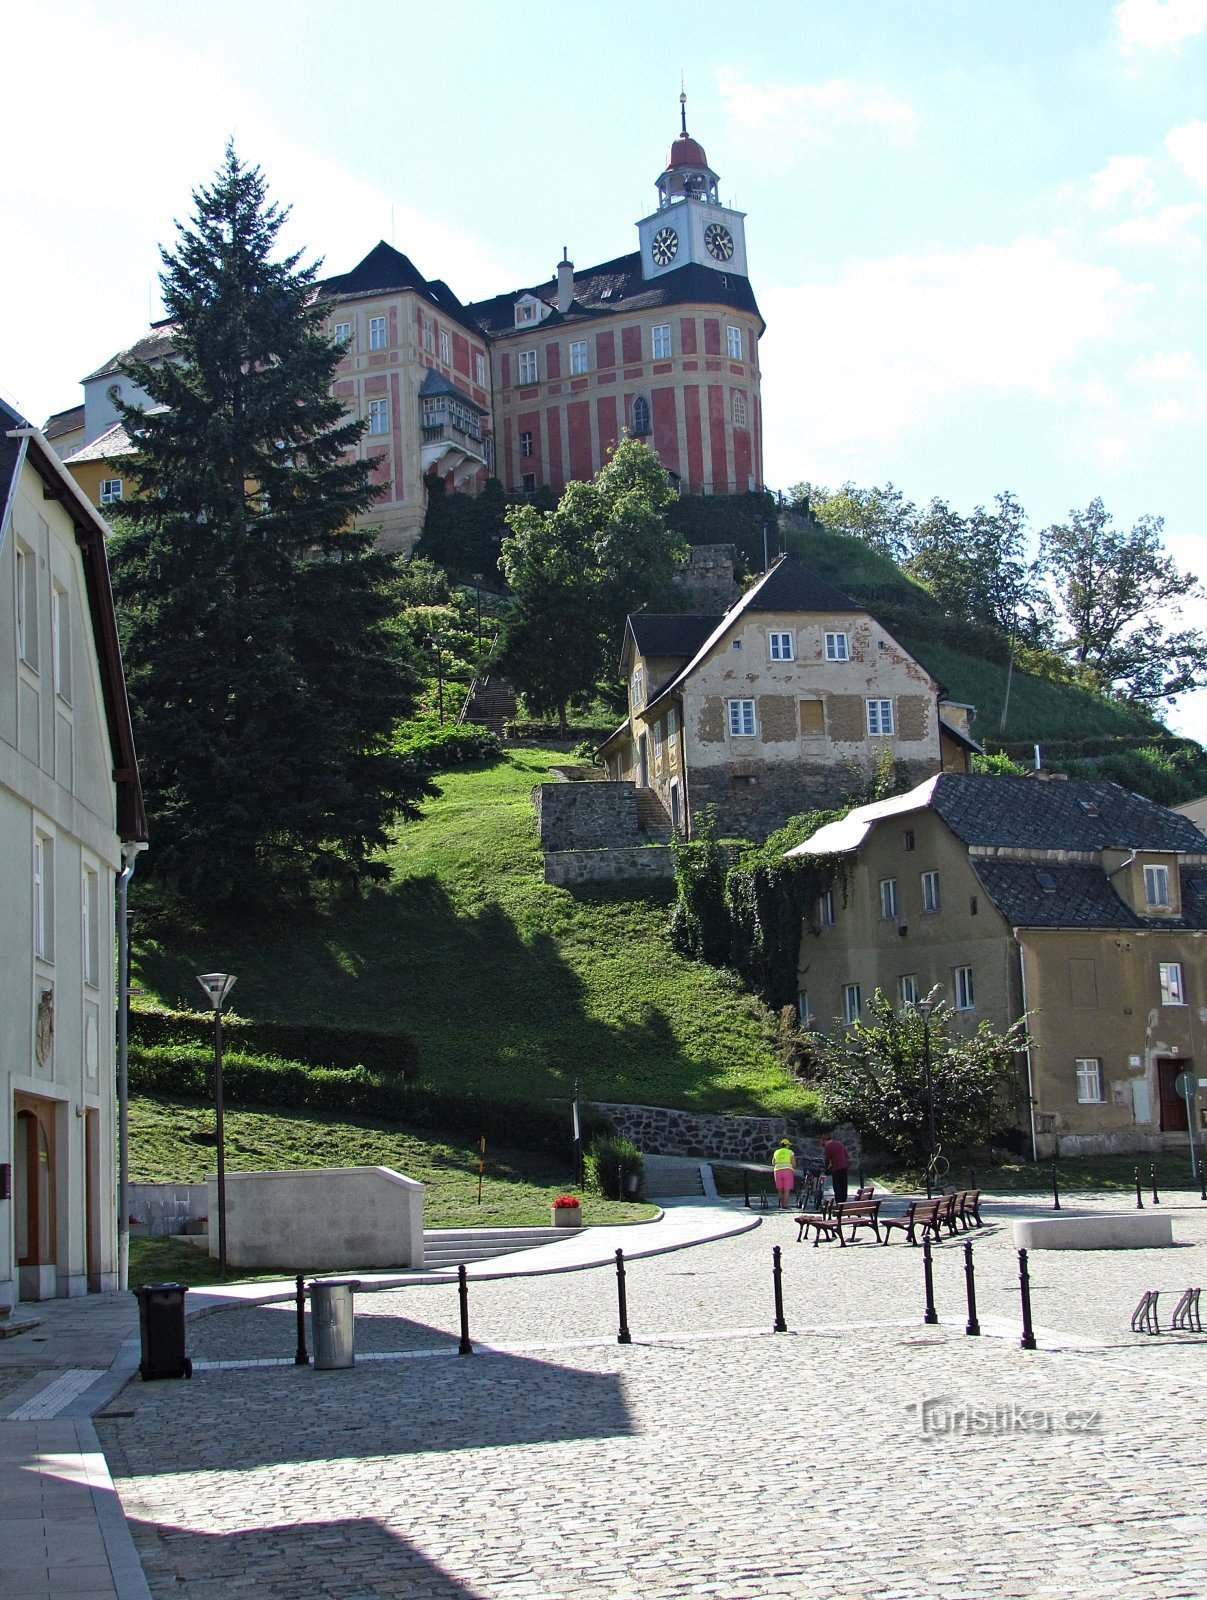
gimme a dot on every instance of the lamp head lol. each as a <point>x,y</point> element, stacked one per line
<point>217,986</point>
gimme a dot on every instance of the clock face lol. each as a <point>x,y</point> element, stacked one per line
<point>665,247</point>
<point>718,241</point>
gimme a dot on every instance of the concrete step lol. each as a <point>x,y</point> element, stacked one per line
<point>676,1176</point>
<point>444,1247</point>
<point>651,816</point>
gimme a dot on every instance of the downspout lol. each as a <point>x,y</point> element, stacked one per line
<point>130,852</point>
<point>1022,978</point>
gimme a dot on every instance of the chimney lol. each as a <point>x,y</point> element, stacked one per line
<point>565,281</point>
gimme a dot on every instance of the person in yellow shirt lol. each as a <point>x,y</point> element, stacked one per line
<point>783,1166</point>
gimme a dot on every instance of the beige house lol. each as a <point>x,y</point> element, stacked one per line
<point>1074,902</point>
<point>70,805</point>
<point>775,707</point>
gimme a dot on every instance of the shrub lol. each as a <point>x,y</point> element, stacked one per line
<point>434,745</point>
<point>311,1044</point>
<point>610,1162</point>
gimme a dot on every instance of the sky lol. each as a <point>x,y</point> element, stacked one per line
<point>975,230</point>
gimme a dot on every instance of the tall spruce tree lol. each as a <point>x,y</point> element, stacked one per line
<point>264,670</point>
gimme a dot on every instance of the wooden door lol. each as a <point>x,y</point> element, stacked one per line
<point>1173,1107</point>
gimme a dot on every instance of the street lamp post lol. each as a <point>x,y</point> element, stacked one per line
<point>926,1007</point>
<point>217,986</point>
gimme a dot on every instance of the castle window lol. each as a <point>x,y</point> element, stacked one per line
<point>733,337</point>
<point>660,342</point>
<point>341,332</point>
<point>429,343</point>
<point>740,414</point>
<point>479,369</point>
<point>379,416</point>
<point>377,333</point>
<point>578,356</point>
<point>446,348</point>
<point>641,417</point>
<point>527,366</point>
<point>526,444</point>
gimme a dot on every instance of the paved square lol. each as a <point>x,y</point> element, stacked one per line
<point>861,1454</point>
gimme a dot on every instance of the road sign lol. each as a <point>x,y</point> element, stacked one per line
<point>1186,1084</point>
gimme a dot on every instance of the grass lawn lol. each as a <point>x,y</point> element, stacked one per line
<point>174,1140</point>
<point>1080,1174</point>
<point>512,986</point>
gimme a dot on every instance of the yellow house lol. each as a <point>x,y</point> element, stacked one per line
<point>1073,902</point>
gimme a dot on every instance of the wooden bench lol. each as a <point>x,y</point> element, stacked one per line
<point>962,1209</point>
<point>846,1213</point>
<point>920,1214</point>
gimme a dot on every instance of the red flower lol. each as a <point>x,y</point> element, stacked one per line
<point>565,1202</point>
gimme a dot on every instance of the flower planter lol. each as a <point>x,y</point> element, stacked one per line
<point>567,1216</point>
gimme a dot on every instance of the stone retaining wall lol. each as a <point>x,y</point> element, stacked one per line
<point>646,861</point>
<point>586,816</point>
<point>709,1137</point>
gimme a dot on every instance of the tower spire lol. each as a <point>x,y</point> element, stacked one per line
<point>682,107</point>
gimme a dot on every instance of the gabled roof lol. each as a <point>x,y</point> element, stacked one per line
<point>788,586</point>
<point>848,833</point>
<point>115,441</point>
<point>69,421</point>
<point>436,383</point>
<point>153,346</point>
<point>618,285</point>
<point>385,271</point>
<point>669,636</point>
<point>20,444</point>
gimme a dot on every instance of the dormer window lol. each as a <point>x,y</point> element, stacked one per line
<point>1156,888</point>
<point>529,309</point>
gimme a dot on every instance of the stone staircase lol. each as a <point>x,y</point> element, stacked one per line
<point>490,703</point>
<point>676,1176</point>
<point>651,817</point>
<point>447,1247</point>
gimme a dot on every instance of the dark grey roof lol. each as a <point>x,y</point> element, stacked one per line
<point>619,286</point>
<point>790,586</point>
<point>670,636</point>
<point>153,346</point>
<point>64,422</point>
<point>436,383</point>
<point>1068,814</point>
<point>384,270</point>
<point>10,449</point>
<point>1081,896</point>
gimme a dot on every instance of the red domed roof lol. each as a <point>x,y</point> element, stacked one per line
<point>685,152</point>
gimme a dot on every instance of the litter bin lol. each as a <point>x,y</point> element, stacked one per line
<point>161,1330</point>
<point>332,1322</point>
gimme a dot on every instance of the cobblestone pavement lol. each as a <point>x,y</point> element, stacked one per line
<point>863,1454</point>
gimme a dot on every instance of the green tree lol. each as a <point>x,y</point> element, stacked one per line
<point>462,532</point>
<point>881,517</point>
<point>874,1074</point>
<point>265,672</point>
<point>1111,585</point>
<point>578,570</point>
<point>977,567</point>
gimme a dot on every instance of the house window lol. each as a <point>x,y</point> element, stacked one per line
<point>60,642</point>
<point>377,333</point>
<point>1089,1080</point>
<point>930,891</point>
<point>733,338</point>
<point>526,444</point>
<point>908,839</point>
<point>660,342</point>
<point>880,718</point>
<point>825,909</point>
<point>341,332</point>
<point>888,899</point>
<point>527,364</point>
<point>781,647</point>
<point>1156,887</point>
<point>658,740</point>
<point>43,887</point>
<point>804,1010</point>
<point>637,688</point>
<point>741,718</point>
<point>111,491</point>
<point>379,416</point>
<point>740,413</point>
<point>672,723</point>
<point>641,417</point>
<point>578,356</point>
<point>429,338</point>
<point>908,989</point>
<point>1170,975</point>
<point>27,607</point>
<point>962,983</point>
<point>850,1003</point>
<point>479,369</point>
<point>90,925</point>
<point>837,648</point>
<point>446,348</point>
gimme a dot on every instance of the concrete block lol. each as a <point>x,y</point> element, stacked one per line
<point>1127,1230</point>
<point>324,1219</point>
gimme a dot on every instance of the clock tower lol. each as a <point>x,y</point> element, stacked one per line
<point>691,226</point>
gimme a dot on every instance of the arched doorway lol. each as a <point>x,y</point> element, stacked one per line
<point>34,1196</point>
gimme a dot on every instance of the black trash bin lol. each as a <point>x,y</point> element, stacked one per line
<point>161,1328</point>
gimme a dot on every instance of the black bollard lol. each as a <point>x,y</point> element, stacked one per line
<point>1139,1197</point>
<point>1024,1288</point>
<point>624,1336</point>
<point>1152,1172</point>
<point>777,1279</point>
<point>1055,1187</point>
<point>464,1348</point>
<point>301,1358</point>
<point>973,1326</point>
<point>928,1276</point>
<point>1202,1181</point>
<point>746,1190</point>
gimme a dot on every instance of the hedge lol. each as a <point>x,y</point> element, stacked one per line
<point>312,1044</point>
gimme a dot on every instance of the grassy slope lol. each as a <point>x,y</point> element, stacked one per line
<point>510,985</point>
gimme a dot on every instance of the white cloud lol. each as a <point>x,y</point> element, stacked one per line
<point>1158,24</point>
<point>1170,227</point>
<point>1188,146</point>
<point>779,119</point>
<point>1123,176</point>
<point>894,345</point>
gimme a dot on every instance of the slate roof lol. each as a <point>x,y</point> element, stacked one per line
<point>153,346</point>
<point>436,383</point>
<point>62,422</point>
<point>674,636</point>
<point>385,270</point>
<point>1083,896</point>
<point>618,285</point>
<point>1068,814</point>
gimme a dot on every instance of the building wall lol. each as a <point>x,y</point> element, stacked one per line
<point>575,418</point>
<point>56,1019</point>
